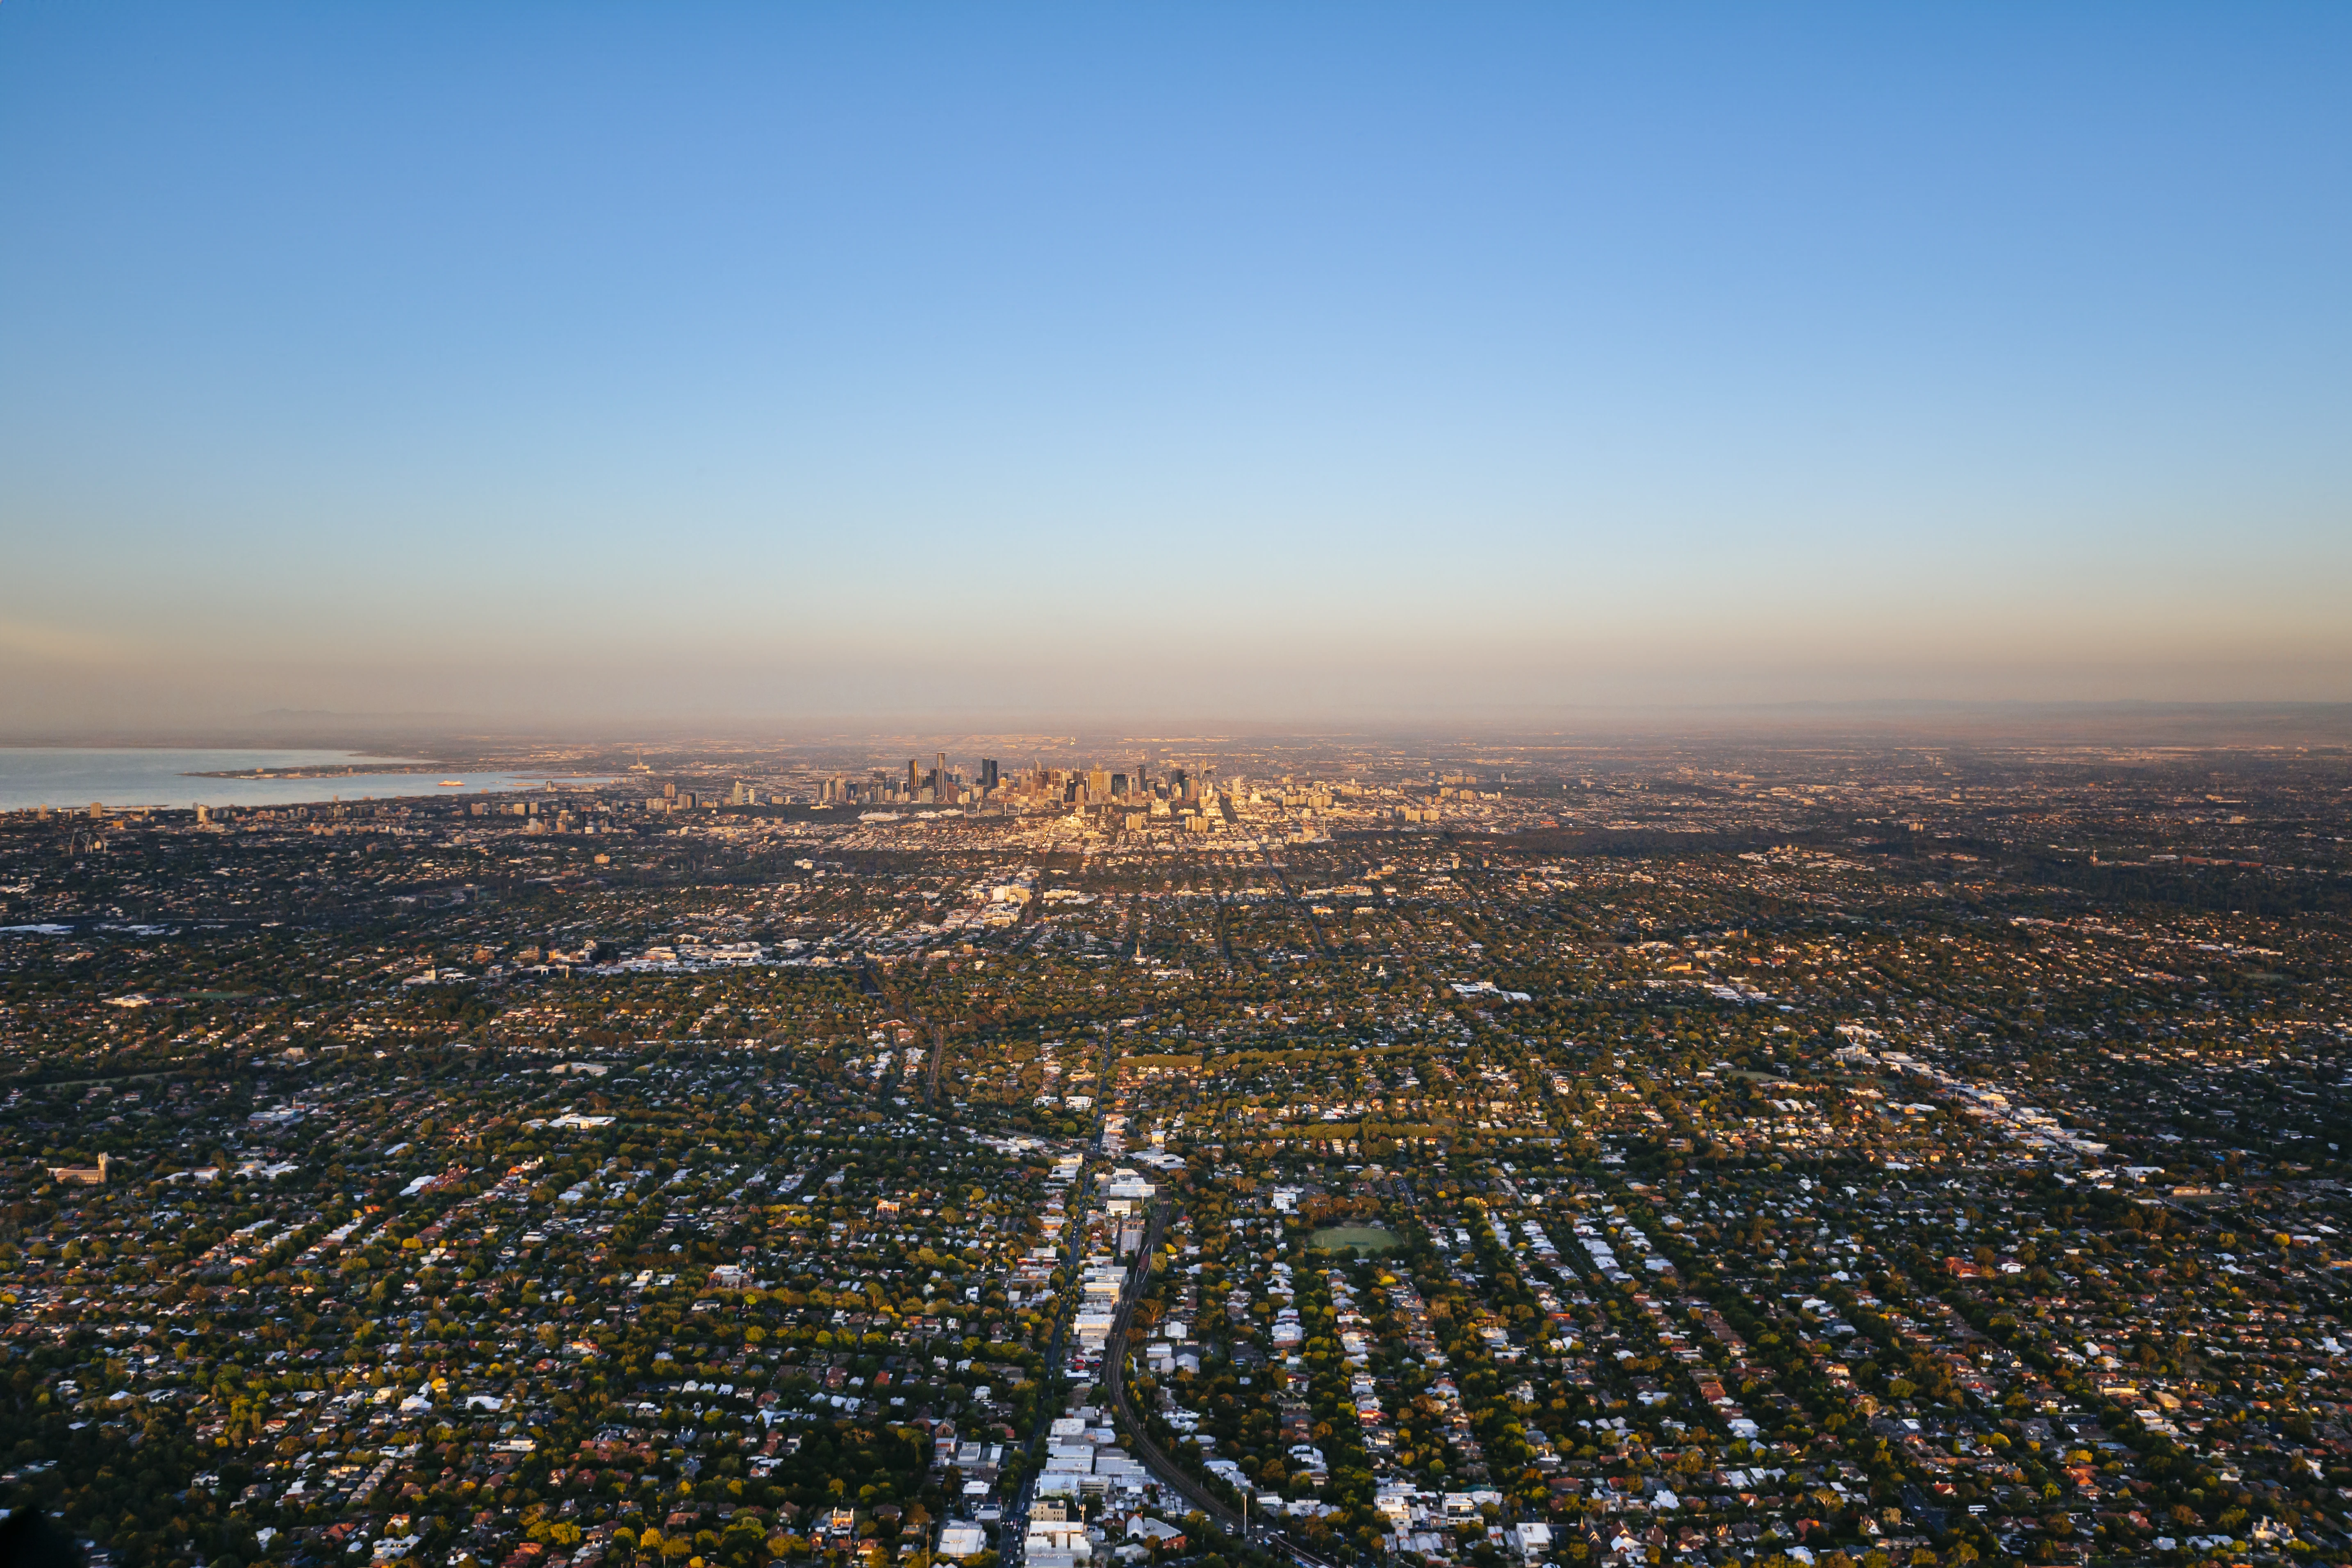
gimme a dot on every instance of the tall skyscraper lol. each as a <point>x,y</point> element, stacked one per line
<point>987,773</point>
<point>913,783</point>
<point>940,781</point>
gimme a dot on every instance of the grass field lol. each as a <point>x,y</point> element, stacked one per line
<point>1370,1238</point>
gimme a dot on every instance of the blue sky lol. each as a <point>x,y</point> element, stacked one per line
<point>1298,361</point>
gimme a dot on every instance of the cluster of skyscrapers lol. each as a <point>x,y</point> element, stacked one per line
<point>940,784</point>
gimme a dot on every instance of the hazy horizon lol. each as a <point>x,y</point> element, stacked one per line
<point>2154,727</point>
<point>577,367</point>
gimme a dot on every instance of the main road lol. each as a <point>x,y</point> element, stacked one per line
<point>1165,1470</point>
<point>1014,1527</point>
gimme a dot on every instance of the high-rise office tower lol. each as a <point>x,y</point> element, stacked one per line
<point>988,773</point>
<point>940,781</point>
<point>912,783</point>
